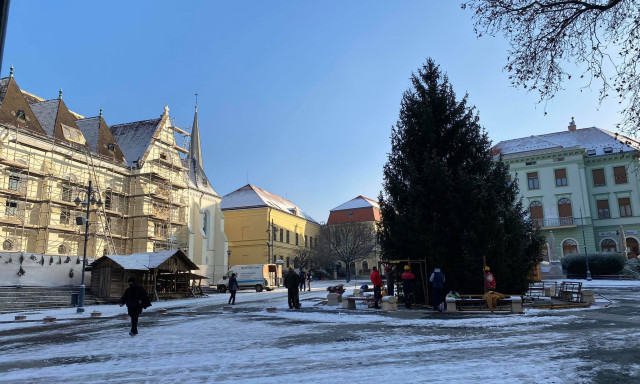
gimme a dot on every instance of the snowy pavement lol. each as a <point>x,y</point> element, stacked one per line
<point>322,344</point>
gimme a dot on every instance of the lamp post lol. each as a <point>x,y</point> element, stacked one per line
<point>89,200</point>
<point>584,240</point>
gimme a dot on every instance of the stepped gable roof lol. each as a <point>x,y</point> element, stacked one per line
<point>46,113</point>
<point>590,139</point>
<point>146,261</point>
<point>251,196</point>
<point>135,138</point>
<point>358,202</point>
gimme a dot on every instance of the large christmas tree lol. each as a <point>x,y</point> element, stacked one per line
<point>446,200</point>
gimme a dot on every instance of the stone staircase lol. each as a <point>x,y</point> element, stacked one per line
<point>20,299</point>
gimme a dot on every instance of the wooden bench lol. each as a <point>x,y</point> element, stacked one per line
<point>570,291</point>
<point>475,303</point>
<point>349,302</point>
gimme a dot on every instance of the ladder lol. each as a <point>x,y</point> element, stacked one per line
<point>104,224</point>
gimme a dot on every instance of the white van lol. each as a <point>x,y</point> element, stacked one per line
<point>254,276</point>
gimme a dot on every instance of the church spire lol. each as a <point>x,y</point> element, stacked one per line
<point>195,151</point>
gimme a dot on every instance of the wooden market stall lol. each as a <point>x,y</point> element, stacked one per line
<point>162,274</point>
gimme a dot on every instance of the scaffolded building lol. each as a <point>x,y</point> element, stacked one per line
<point>145,174</point>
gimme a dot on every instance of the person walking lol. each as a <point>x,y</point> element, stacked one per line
<point>377,287</point>
<point>391,280</point>
<point>437,280</point>
<point>136,299</point>
<point>489,280</point>
<point>292,282</point>
<point>303,280</point>
<point>407,286</point>
<point>309,277</point>
<point>233,288</point>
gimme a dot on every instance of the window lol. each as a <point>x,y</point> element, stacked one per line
<point>310,241</point>
<point>12,208</point>
<point>530,163</point>
<point>104,252</point>
<point>625,206</point>
<point>111,147</point>
<point>14,180</point>
<point>65,214</point>
<point>603,209</point>
<point>7,245</point>
<point>598,177</point>
<point>564,208</point>
<point>620,175</point>
<point>632,247</point>
<point>532,179</point>
<point>535,210</point>
<point>297,240</point>
<point>561,177</point>
<point>288,262</point>
<point>281,234</point>
<point>62,249</point>
<point>73,134</point>
<point>287,236</point>
<point>275,232</point>
<point>107,200</point>
<point>569,247</point>
<point>66,193</point>
<point>608,245</point>
<point>160,229</point>
<point>163,156</point>
<point>305,241</point>
<point>21,116</point>
<point>365,266</point>
<point>205,222</point>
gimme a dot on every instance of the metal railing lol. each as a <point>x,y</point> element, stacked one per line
<point>569,221</point>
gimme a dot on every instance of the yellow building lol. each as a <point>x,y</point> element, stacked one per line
<point>263,227</point>
<point>150,190</point>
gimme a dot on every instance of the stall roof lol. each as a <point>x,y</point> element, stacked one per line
<point>148,260</point>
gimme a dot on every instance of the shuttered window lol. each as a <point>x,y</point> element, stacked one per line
<point>561,177</point>
<point>535,209</point>
<point>620,175</point>
<point>564,208</point>
<point>532,179</point>
<point>603,209</point>
<point>598,177</point>
<point>625,206</point>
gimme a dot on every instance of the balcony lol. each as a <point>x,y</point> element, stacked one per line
<point>558,222</point>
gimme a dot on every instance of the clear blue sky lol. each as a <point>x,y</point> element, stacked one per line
<point>296,97</point>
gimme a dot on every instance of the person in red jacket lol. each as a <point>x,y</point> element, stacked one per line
<point>489,280</point>
<point>407,286</point>
<point>377,286</point>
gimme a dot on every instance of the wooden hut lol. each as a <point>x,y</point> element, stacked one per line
<point>164,274</point>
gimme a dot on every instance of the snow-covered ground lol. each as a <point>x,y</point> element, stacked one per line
<point>322,344</point>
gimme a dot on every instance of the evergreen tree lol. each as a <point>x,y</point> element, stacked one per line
<point>446,200</point>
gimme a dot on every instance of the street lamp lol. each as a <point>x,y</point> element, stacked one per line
<point>89,200</point>
<point>584,240</point>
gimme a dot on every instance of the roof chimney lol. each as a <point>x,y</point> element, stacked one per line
<point>572,125</point>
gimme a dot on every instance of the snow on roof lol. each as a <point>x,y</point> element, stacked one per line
<point>46,113</point>
<point>145,261</point>
<point>4,84</point>
<point>251,196</point>
<point>90,128</point>
<point>357,202</point>
<point>134,138</point>
<point>592,138</point>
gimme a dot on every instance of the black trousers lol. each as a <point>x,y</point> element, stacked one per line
<point>232,298</point>
<point>377,295</point>
<point>134,313</point>
<point>390,289</point>
<point>438,293</point>
<point>301,287</point>
<point>294,299</point>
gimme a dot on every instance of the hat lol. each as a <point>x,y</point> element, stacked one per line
<point>386,268</point>
<point>406,268</point>
<point>486,268</point>
<point>132,280</point>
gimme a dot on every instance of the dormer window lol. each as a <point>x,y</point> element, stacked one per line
<point>591,152</point>
<point>163,156</point>
<point>21,116</point>
<point>111,147</point>
<point>73,134</point>
<point>608,150</point>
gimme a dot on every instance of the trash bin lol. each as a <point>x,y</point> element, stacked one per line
<point>74,299</point>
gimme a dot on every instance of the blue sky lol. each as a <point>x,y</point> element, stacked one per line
<point>296,97</point>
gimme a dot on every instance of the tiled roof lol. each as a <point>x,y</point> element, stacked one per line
<point>251,196</point>
<point>147,260</point>
<point>358,202</point>
<point>46,113</point>
<point>90,128</point>
<point>590,139</point>
<point>4,84</point>
<point>134,138</point>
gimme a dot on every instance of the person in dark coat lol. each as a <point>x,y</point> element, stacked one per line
<point>292,282</point>
<point>391,280</point>
<point>233,288</point>
<point>376,280</point>
<point>407,286</point>
<point>437,279</point>
<point>136,299</point>
<point>303,279</point>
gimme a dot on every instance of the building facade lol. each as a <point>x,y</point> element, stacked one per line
<point>581,187</point>
<point>149,193</point>
<point>263,228</point>
<point>358,210</point>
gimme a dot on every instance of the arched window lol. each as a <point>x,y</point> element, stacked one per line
<point>535,211</point>
<point>365,265</point>
<point>7,245</point>
<point>62,249</point>
<point>608,245</point>
<point>564,212</point>
<point>352,268</point>
<point>632,247</point>
<point>569,247</point>
<point>205,221</point>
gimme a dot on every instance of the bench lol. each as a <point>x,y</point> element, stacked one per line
<point>570,291</point>
<point>350,301</point>
<point>511,304</point>
<point>542,289</point>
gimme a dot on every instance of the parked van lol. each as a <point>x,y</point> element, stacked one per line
<point>254,276</point>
